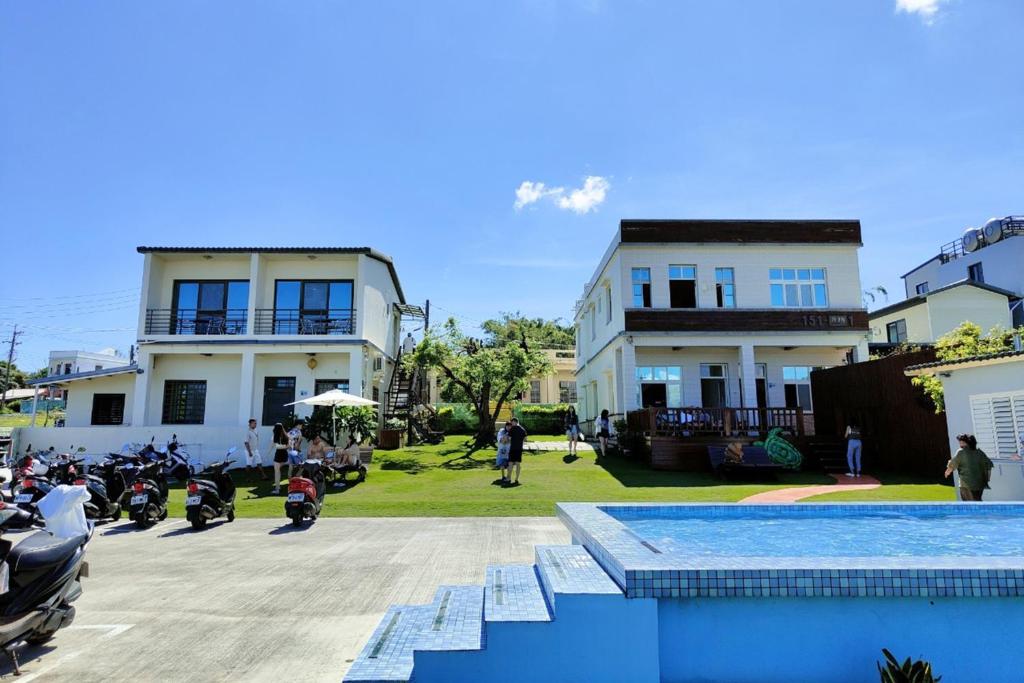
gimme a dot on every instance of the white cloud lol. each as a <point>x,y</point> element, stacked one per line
<point>530,192</point>
<point>587,198</point>
<point>926,9</point>
<point>581,200</point>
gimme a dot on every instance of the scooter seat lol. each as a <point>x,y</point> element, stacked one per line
<point>42,550</point>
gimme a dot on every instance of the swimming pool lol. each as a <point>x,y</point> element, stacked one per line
<point>807,533</point>
<point>813,591</point>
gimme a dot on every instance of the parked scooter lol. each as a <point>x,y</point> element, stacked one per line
<point>107,484</point>
<point>43,576</point>
<point>30,490</point>
<point>211,493</point>
<point>149,496</point>
<point>176,462</point>
<point>306,493</point>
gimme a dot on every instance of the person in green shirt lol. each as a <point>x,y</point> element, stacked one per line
<point>973,466</point>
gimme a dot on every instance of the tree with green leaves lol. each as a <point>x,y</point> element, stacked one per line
<point>17,377</point>
<point>965,341</point>
<point>487,373</point>
<point>538,332</point>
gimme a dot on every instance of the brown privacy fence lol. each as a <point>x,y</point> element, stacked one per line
<point>902,432</point>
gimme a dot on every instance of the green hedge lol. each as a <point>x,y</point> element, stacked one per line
<point>541,418</point>
<point>457,418</point>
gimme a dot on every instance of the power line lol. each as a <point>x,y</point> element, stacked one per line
<point>70,305</point>
<point>75,296</point>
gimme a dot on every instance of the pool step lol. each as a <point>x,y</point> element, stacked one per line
<point>457,623</point>
<point>388,655</point>
<point>513,594</point>
<point>571,570</point>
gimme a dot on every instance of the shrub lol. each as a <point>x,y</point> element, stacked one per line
<point>894,672</point>
<point>630,442</point>
<point>395,424</point>
<point>457,418</point>
<point>541,418</point>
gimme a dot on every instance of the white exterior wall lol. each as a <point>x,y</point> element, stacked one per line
<point>1000,263</point>
<point>943,312</point>
<point>331,366</point>
<point>83,361</point>
<point>958,388</point>
<point>919,327</point>
<point>949,309</point>
<point>80,393</point>
<point>166,268</point>
<point>222,373</point>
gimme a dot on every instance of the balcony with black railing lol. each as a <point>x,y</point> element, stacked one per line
<point>335,321</point>
<point>187,321</point>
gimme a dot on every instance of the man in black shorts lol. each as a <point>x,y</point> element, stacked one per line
<point>517,435</point>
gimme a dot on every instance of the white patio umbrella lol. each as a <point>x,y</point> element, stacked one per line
<point>334,398</point>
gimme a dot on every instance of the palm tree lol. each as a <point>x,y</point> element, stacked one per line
<point>871,295</point>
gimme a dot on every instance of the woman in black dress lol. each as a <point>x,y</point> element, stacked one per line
<point>280,441</point>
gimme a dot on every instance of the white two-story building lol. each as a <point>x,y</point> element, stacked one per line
<point>718,314</point>
<point>229,333</point>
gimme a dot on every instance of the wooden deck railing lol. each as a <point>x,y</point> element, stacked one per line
<point>690,422</point>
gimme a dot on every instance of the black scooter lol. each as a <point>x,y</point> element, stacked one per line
<point>210,494</point>
<point>31,490</point>
<point>107,485</point>
<point>148,504</point>
<point>44,577</point>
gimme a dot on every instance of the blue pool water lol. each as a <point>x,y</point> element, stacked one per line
<point>881,534</point>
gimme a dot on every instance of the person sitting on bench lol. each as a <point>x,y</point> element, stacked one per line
<point>734,453</point>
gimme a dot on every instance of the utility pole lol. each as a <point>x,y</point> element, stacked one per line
<point>10,359</point>
<point>426,317</point>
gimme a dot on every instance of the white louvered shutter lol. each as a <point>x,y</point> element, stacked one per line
<point>999,423</point>
<point>984,427</point>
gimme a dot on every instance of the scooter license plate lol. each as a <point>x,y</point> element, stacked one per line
<point>140,500</point>
<point>296,497</point>
<point>193,500</point>
<point>23,498</point>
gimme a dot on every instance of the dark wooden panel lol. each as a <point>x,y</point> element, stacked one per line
<point>741,231</point>
<point>735,320</point>
<point>902,431</point>
<point>680,455</point>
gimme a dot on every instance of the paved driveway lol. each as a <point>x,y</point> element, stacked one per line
<point>256,601</point>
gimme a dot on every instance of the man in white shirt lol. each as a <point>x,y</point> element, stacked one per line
<point>408,344</point>
<point>252,450</point>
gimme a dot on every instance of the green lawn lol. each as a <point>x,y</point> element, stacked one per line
<point>17,420</point>
<point>446,481</point>
<point>894,488</point>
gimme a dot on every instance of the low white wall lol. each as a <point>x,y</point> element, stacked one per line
<point>204,443</point>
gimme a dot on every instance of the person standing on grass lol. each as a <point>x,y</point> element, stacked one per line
<point>973,466</point>
<point>504,444</point>
<point>854,448</point>
<point>572,428</point>
<point>517,437</point>
<point>603,426</point>
<point>280,440</point>
<point>252,450</point>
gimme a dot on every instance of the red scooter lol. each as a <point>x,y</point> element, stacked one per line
<point>306,493</point>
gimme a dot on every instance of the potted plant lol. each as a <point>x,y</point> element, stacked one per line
<point>361,423</point>
<point>393,435</point>
<point>907,672</point>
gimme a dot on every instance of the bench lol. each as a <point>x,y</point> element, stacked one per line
<point>756,463</point>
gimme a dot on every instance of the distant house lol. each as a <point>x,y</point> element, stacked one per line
<point>229,333</point>
<point>984,395</point>
<point>991,254</point>
<point>76,362</point>
<point>558,386</point>
<point>923,318</point>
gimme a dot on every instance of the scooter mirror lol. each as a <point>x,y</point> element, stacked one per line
<point>231,451</point>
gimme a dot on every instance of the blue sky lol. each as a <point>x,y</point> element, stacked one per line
<point>410,126</point>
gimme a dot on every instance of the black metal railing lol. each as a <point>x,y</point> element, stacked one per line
<point>192,321</point>
<point>296,321</point>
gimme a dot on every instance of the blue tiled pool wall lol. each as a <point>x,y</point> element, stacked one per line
<point>643,573</point>
<point>631,512</point>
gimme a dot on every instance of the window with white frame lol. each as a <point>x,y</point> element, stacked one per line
<point>608,303</point>
<point>896,331</point>
<point>725,288</point>
<point>682,286</point>
<point>593,324</point>
<point>999,423</point>
<point>796,380</point>
<point>535,391</point>
<point>798,287</point>
<point>922,288</point>
<point>566,391</point>
<point>641,288</point>
<point>659,386</point>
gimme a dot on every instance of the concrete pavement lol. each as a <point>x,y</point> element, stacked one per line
<point>256,601</point>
